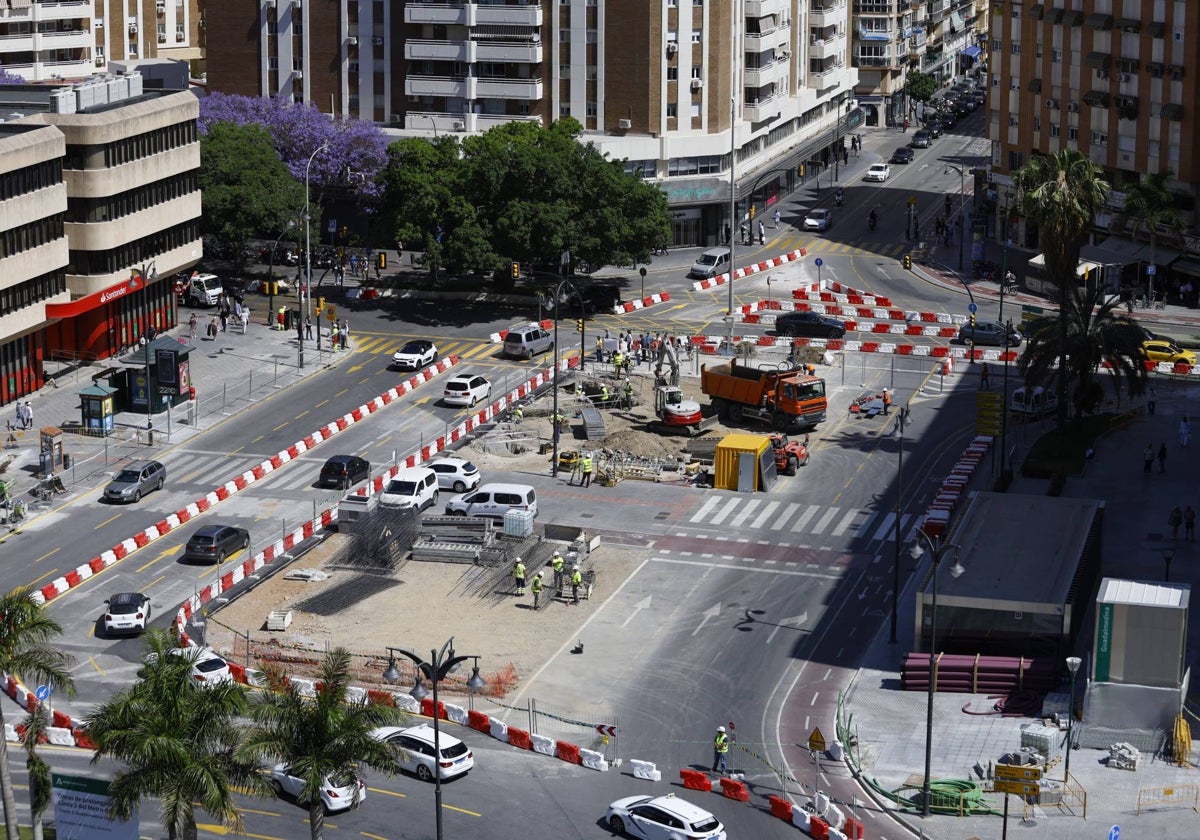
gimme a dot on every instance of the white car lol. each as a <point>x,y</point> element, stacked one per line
<point>878,172</point>
<point>340,792</point>
<point>456,474</point>
<point>127,612</point>
<point>466,389</point>
<point>818,219</point>
<point>208,668</point>
<point>415,355</point>
<point>662,818</point>
<point>416,754</point>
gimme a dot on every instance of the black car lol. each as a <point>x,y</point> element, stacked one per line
<point>948,121</point>
<point>902,155</point>
<point>344,471</point>
<point>809,325</point>
<point>922,139</point>
<point>934,127</point>
<point>213,543</point>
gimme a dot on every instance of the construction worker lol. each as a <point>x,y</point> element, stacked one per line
<point>628,394</point>
<point>517,414</point>
<point>576,582</point>
<point>720,750</point>
<point>617,359</point>
<point>536,587</point>
<point>604,395</point>
<point>557,563</point>
<point>519,576</point>
<point>587,470</point>
<point>599,349</point>
<point>887,401</point>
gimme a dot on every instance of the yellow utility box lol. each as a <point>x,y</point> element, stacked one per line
<point>737,461</point>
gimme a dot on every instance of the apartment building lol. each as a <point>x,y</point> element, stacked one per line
<point>99,208</point>
<point>675,86</point>
<point>1112,79</point>
<point>44,40</point>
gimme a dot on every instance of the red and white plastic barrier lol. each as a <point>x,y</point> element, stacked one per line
<point>746,271</point>
<point>633,305</point>
<point>954,488</point>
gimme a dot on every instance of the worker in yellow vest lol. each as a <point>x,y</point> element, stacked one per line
<point>720,750</point>
<point>536,587</point>
<point>587,470</point>
<point>519,576</point>
<point>576,582</point>
<point>557,563</point>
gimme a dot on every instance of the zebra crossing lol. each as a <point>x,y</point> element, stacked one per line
<point>805,521</point>
<point>862,248</point>
<point>192,467</point>
<point>385,345</point>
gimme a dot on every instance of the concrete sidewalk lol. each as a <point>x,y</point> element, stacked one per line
<point>230,373</point>
<point>890,723</point>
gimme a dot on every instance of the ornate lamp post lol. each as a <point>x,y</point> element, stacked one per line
<point>1073,663</point>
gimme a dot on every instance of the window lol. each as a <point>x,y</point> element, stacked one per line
<point>179,34</point>
<point>272,28</point>
<point>592,36</point>
<point>1015,160</point>
<point>695,114</point>
<point>564,110</point>
<point>564,36</point>
<point>696,36</point>
<point>273,62</point>
<point>592,73</point>
<point>1072,133</point>
<point>997,46</point>
<point>1016,47</point>
<point>592,110</point>
<point>1056,55</point>
<point>672,110</point>
<point>697,2</point>
<point>1054,130</point>
<point>1037,123</point>
<point>697,72</point>
<point>564,71</point>
<point>1099,138</point>
<point>671,4</point>
<point>672,74</point>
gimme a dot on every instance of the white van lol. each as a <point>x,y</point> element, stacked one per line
<point>493,500</point>
<point>711,263</point>
<point>415,488</point>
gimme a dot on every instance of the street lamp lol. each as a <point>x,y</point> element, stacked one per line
<point>558,290</point>
<point>962,206</point>
<point>1168,555</point>
<point>1073,663</point>
<point>916,552</point>
<point>304,294</point>
<point>432,122</point>
<point>437,669</point>
<point>898,436</point>
<point>1007,326</point>
<point>147,273</point>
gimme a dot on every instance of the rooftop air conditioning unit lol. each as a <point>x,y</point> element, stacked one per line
<point>161,8</point>
<point>459,126</point>
<point>1073,107</point>
<point>624,125</point>
<point>697,84</point>
<point>352,41</point>
<point>99,59</point>
<point>672,48</point>
<point>133,27</point>
<point>1052,103</point>
<point>377,41</point>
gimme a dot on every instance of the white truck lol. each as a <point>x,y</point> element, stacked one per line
<point>202,290</point>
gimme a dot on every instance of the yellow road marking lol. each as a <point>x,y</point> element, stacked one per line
<point>158,579</point>
<point>302,413</point>
<point>106,521</point>
<point>462,811</point>
<point>36,581</point>
<point>94,664</point>
<point>47,554</point>
<point>372,836</point>
<point>164,553</point>
<point>281,425</point>
<point>236,451</point>
<point>321,403</point>
<point>342,392</point>
<point>221,831</point>
<point>388,792</point>
<point>257,439</point>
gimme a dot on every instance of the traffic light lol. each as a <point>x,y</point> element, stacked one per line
<point>752,212</point>
<point>908,262</point>
<point>318,306</point>
<point>516,271</point>
<point>579,325</point>
<point>381,260</point>
<point>972,324</point>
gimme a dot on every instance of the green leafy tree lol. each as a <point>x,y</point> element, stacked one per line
<point>1094,335</point>
<point>27,634</point>
<point>1061,194</point>
<point>246,188</point>
<point>322,737</point>
<point>920,86</point>
<point>177,741</point>
<point>1150,207</point>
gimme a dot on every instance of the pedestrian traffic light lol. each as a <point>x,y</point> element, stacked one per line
<point>516,271</point>
<point>319,306</point>
<point>908,262</point>
<point>381,260</point>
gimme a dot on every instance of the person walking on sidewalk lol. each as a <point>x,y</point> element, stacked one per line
<point>720,751</point>
<point>1162,458</point>
<point>308,327</point>
<point>536,588</point>
<point>1185,433</point>
<point>192,326</point>
<point>344,334</point>
<point>762,233</point>
<point>983,378</point>
<point>519,576</point>
<point>1148,459</point>
<point>1175,519</point>
<point>778,216</point>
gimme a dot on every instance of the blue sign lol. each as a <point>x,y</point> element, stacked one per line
<point>42,693</point>
<point>972,308</point>
<point>818,262</point>
<point>1152,270</point>
<point>1114,833</point>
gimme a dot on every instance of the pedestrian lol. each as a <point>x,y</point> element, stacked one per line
<point>519,576</point>
<point>28,415</point>
<point>576,582</point>
<point>245,319</point>
<point>344,334</point>
<point>983,377</point>
<point>728,233</point>
<point>762,233</point>
<point>742,231</point>
<point>1175,519</point>
<point>308,326</point>
<point>720,750</point>
<point>212,328</point>
<point>151,333</point>
<point>599,349</point>
<point>1189,523</point>
<point>192,326</point>
<point>333,337</point>
<point>1162,458</point>
<point>19,409</point>
<point>536,588</point>
<point>556,564</point>
<point>1151,400</point>
<point>778,216</point>
<point>1185,433</point>
<point>887,402</point>
<point>947,205</point>
<point>1148,459</point>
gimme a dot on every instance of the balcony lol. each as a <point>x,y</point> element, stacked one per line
<point>455,87</point>
<point>827,47</point>
<point>443,13</point>
<point>424,121</point>
<point>877,35</point>
<point>876,60</point>
<point>528,90</point>
<point>755,77</point>
<point>936,11</point>
<point>762,8</point>
<point>757,42</point>
<point>74,10</point>
<point>438,50</point>
<point>516,52</point>
<point>917,44</point>
<point>826,12</point>
<point>474,14</point>
<point>757,110</point>
<point>876,7</point>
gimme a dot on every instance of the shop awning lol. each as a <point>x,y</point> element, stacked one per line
<point>1191,267</point>
<point>1156,28</point>
<point>90,302</point>
<point>1098,60</point>
<point>1099,20</point>
<point>1128,24</point>
<point>1037,10</point>
<point>956,22</point>
<point>972,52</point>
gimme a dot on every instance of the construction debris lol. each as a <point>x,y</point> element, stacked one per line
<point>1124,756</point>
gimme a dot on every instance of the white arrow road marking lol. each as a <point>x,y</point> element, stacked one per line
<point>796,622</point>
<point>643,604</point>
<point>711,612</point>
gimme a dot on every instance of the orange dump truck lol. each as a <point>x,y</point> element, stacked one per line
<point>787,399</point>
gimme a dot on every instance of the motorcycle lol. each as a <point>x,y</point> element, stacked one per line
<point>840,199</point>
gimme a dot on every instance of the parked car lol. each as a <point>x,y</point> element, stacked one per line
<point>712,262</point>
<point>135,481</point>
<point>902,155</point>
<point>662,818</point>
<point>208,668</point>
<point>466,389</point>
<point>819,218</point>
<point>415,355</point>
<point>524,341</point>
<point>213,543</point>
<point>934,127</point>
<point>878,172</point>
<point>809,324</point>
<point>126,612</point>
<point>922,140</point>
<point>494,500</point>
<point>344,471</point>
<point>416,754</point>
<point>456,474</point>
<point>340,792</point>
<point>411,489</point>
<point>1165,351</point>
<point>988,333</point>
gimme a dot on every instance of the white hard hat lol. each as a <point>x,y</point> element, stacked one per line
<point>542,573</point>
<point>518,559</point>
<point>575,568</point>
<point>720,728</point>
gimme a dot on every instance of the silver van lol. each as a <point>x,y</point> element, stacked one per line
<point>712,262</point>
<point>415,488</point>
<point>493,500</point>
<point>523,341</point>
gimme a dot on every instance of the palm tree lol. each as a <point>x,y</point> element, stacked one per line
<point>40,783</point>
<point>328,735</point>
<point>1095,334</point>
<point>177,741</point>
<point>26,631</point>
<point>1061,193</point>
<point>1149,206</point>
